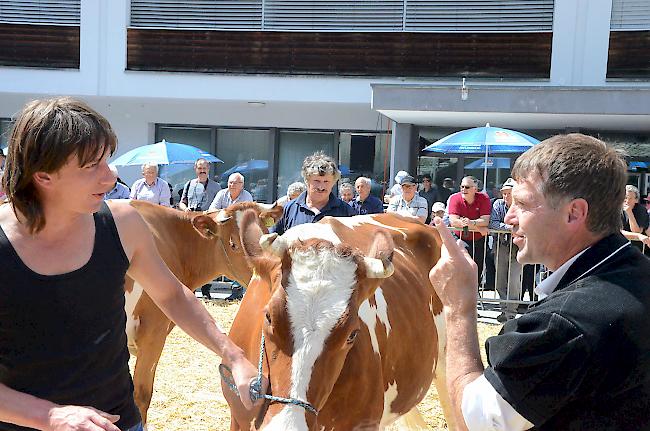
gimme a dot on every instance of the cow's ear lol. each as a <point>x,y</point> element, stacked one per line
<point>270,216</point>
<point>205,226</point>
<point>250,233</point>
<point>382,247</point>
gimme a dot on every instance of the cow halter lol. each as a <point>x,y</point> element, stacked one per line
<point>256,386</point>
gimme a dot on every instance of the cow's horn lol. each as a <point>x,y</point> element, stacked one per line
<point>222,218</point>
<point>273,243</point>
<point>378,268</point>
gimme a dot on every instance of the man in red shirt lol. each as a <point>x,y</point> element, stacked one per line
<point>469,210</point>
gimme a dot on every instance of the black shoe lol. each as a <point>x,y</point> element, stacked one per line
<point>501,318</point>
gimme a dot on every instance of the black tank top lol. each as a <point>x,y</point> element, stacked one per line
<point>62,337</point>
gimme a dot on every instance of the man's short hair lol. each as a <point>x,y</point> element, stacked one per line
<point>295,188</point>
<point>578,166</point>
<point>426,177</point>
<point>201,160</point>
<point>150,165</point>
<point>473,178</point>
<point>365,180</point>
<point>236,175</point>
<point>346,186</point>
<point>633,189</point>
<point>319,164</point>
<point>46,134</point>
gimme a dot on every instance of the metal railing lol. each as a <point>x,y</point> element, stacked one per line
<point>506,287</point>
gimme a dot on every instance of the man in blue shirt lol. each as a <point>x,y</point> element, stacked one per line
<point>320,174</point>
<point>119,191</point>
<point>365,203</point>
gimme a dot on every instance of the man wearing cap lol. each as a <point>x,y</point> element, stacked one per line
<point>508,270</point>
<point>438,210</point>
<point>446,190</point>
<point>469,211</point>
<point>409,203</point>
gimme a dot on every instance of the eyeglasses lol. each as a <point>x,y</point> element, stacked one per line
<point>466,187</point>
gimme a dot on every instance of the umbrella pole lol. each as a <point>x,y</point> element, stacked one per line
<point>485,167</point>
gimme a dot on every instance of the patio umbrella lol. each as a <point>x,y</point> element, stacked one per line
<point>637,165</point>
<point>247,168</point>
<point>483,140</point>
<point>492,163</point>
<point>164,153</point>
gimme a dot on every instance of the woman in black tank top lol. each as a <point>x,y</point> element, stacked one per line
<point>62,337</point>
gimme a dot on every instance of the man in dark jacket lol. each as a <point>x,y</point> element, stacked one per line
<point>580,357</point>
<point>320,174</point>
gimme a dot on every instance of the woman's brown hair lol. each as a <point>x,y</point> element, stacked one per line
<point>46,134</point>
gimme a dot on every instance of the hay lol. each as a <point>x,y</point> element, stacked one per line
<point>187,392</point>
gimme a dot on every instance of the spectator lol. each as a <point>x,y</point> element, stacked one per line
<point>233,194</point>
<point>470,210</point>
<point>580,358</point>
<point>365,203</point>
<point>397,189</point>
<point>223,199</point>
<point>635,218</point>
<point>508,270</point>
<point>438,209</point>
<point>119,190</point>
<point>63,345</point>
<point>346,192</point>
<point>151,188</point>
<point>446,190</point>
<point>408,203</point>
<point>430,193</point>
<point>320,174</point>
<point>199,192</point>
<point>293,191</point>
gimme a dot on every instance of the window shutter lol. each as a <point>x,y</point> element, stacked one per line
<point>630,15</point>
<point>197,14</point>
<point>490,16</point>
<point>54,12</point>
<point>334,15</point>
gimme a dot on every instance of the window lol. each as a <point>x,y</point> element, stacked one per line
<point>294,147</point>
<point>248,152</point>
<point>368,155</point>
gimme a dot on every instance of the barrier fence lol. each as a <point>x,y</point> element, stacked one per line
<point>506,288</point>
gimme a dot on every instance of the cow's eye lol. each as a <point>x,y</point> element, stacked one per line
<point>268,318</point>
<point>232,244</point>
<point>352,336</point>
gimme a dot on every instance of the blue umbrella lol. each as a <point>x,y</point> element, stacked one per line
<point>637,165</point>
<point>492,163</point>
<point>164,153</point>
<point>483,140</point>
<point>247,167</point>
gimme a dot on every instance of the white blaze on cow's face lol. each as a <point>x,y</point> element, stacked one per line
<point>319,287</point>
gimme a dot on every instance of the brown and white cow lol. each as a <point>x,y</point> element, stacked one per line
<point>195,259</point>
<point>360,346</point>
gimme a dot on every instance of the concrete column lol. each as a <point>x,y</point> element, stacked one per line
<point>404,150</point>
<point>580,42</point>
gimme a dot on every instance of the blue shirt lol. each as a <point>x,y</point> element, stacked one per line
<point>372,205</point>
<point>120,191</point>
<point>297,212</point>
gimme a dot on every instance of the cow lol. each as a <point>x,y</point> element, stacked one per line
<point>195,259</point>
<point>341,334</point>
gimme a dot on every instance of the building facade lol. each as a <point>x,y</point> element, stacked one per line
<point>369,82</point>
